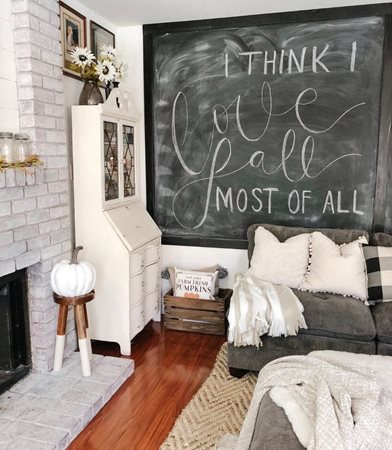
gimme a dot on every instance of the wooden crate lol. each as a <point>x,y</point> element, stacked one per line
<point>201,316</point>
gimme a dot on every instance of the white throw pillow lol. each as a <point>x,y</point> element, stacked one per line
<point>280,262</point>
<point>339,269</point>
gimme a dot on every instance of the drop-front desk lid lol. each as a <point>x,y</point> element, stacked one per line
<point>133,224</point>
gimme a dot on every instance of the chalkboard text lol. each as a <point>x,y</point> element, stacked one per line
<point>261,200</point>
<point>289,61</point>
<point>222,150</point>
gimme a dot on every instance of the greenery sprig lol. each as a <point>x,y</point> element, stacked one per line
<point>30,161</point>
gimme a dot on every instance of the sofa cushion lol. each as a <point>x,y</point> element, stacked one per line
<point>382,315</point>
<point>383,239</point>
<point>336,316</point>
<point>273,430</point>
<point>384,349</point>
<point>255,358</point>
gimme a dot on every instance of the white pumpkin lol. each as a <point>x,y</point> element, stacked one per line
<point>72,278</point>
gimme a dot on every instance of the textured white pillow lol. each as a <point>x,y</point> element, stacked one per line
<point>280,262</point>
<point>339,269</point>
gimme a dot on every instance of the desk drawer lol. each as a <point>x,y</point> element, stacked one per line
<point>136,264</point>
<point>137,288</point>
<point>152,306</point>
<point>137,320</point>
<point>151,277</point>
<point>151,252</point>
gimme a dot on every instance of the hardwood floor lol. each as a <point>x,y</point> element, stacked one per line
<point>170,366</point>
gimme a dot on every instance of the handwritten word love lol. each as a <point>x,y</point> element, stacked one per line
<point>218,162</point>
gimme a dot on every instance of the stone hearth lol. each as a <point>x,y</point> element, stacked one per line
<point>46,411</point>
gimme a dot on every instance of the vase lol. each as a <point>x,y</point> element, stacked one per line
<point>116,84</point>
<point>91,94</point>
<point>108,89</point>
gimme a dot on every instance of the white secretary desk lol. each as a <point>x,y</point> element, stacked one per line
<point>119,237</point>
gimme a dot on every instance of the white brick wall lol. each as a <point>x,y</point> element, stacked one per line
<point>9,115</point>
<point>35,230</point>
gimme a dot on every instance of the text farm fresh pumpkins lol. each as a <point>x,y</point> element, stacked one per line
<point>72,278</point>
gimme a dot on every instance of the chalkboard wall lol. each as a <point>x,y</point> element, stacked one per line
<point>273,122</point>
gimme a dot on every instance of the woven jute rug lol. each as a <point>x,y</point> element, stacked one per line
<point>218,408</point>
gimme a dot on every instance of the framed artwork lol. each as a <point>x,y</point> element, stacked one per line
<point>73,34</point>
<point>100,36</point>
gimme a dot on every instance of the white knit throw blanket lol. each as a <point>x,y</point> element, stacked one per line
<point>258,307</point>
<point>343,402</point>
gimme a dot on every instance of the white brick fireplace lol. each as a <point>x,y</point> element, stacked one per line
<point>35,226</point>
<point>43,410</point>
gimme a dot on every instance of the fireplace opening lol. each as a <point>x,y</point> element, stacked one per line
<point>15,352</point>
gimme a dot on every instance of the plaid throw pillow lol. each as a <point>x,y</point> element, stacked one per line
<point>379,271</point>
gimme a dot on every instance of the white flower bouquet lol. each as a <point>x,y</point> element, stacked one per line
<point>107,67</point>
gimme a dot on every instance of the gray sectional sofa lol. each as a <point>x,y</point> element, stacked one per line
<point>334,322</point>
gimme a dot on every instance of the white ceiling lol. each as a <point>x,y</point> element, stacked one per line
<point>136,12</point>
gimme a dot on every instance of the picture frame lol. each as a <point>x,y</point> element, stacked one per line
<point>73,33</point>
<point>100,36</point>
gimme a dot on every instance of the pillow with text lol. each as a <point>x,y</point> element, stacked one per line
<point>192,284</point>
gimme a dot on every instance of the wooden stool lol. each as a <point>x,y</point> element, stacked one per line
<point>79,304</point>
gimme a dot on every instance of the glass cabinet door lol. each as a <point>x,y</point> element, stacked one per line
<point>128,155</point>
<point>110,157</point>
